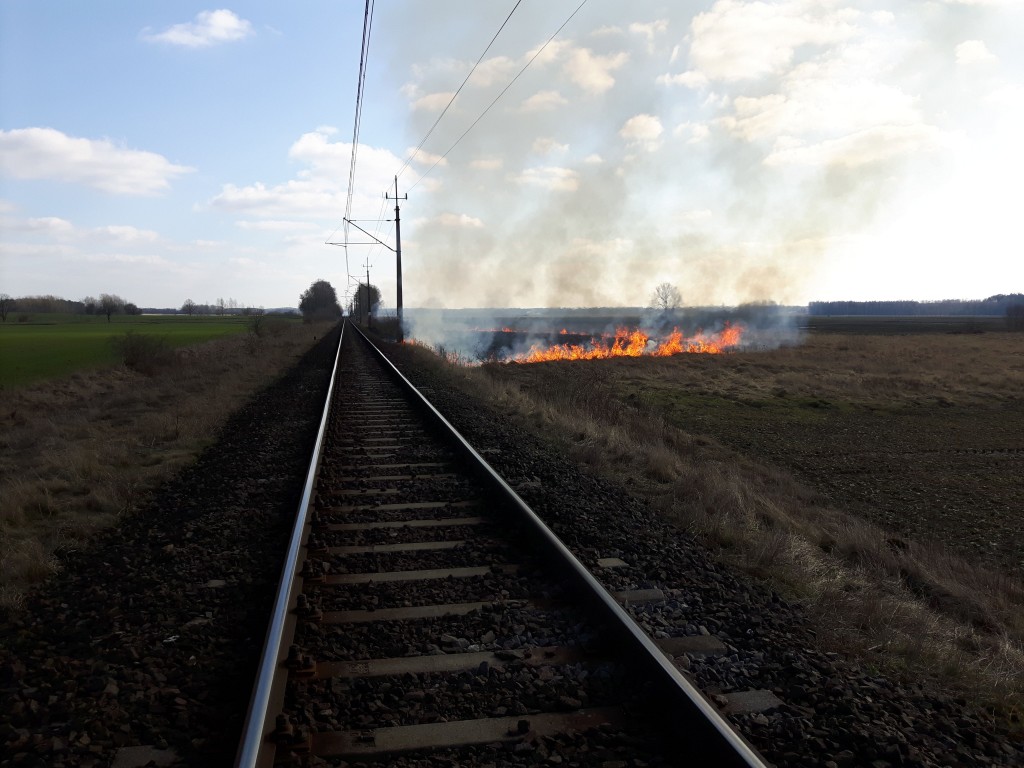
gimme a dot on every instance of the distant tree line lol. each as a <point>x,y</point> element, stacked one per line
<point>998,305</point>
<point>219,307</point>
<point>110,304</point>
<point>107,304</point>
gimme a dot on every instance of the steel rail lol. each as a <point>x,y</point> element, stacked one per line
<point>256,727</point>
<point>710,739</point>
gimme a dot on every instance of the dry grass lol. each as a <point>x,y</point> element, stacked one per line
<point>904,605</point>
<point>77,453</point>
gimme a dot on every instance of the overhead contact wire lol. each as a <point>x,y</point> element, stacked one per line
<point>360,87</point>
<point>458,91</point>
<point>496,98</point>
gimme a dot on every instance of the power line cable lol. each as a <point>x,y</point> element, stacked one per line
<point>458,91</point>
<point>496,98</point>
<point>360,87</point>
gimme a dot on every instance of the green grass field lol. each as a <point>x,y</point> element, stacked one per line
<point>50,346</point>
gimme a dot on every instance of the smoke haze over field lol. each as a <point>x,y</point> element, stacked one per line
<point>482,334</point>
<point>749,151</point>
<point>786,150</point>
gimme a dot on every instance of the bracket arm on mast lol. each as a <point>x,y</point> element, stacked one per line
<point>370,234</point>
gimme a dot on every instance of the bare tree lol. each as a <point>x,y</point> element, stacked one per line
<point>110,303</point>
<point>666,298</point>
<point>6,305</point>
<point>90,304</point>
<point>220,306</point>
<point>257,320</point>
<point>189,307</point>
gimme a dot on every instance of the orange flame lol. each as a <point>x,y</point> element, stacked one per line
<point>627,343</point>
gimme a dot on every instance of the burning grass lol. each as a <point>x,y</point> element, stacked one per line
<point>78,452</point>
<point>875,479</point>
<point>634,343</point>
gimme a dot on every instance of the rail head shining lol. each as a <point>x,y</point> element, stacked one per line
<point>713,737</point>
<point>256,728</point>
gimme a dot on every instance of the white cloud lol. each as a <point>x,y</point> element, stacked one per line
<point>550,53</point>
<point>432,102</point>
<point>691,79</point>
<point>458,220</point>
<point>319,189</point>
<point>274,225</point>
<point>544,101</point>
<point>209,28</point>
<point>591,72</point>
<point>864,147</point>
<point>45,225</point>
<point>581,66</point>
<point>209,245</point>
<point>696,214</point>
<point>46,153</point>
<point>425,158</point>
<point>127,234</point>
<point>973,52</point>
<point>547,146</point>
<point>124,258</point>
<point>62,229</point>
<point>594,159</point>
<point>642,131</point>
<point>649,30</point>
<point>550,177</point>
<point>497,69</point>
<point>297,197</point>
<point>828,98</point>
<point>737,40</point>
<point>693,133</point>
<point>841,107</point>
<point>487,163</point>
<point>319,152</point>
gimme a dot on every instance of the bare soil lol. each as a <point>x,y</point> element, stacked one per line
<point>947,473</point>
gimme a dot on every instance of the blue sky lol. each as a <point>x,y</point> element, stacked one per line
<point>788,151</point>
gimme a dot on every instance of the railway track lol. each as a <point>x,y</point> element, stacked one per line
<point>426,613</point>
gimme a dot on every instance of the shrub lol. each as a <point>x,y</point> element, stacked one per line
<point>143,353</point>
<point>1015,317</point>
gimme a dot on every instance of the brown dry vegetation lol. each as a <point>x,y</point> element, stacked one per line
<point>77,453</point>
<point>876,479</point>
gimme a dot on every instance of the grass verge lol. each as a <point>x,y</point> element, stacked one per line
<point>47,346</point>
<point>80,451</point>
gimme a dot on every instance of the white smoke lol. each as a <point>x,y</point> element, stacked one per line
<point>750,151</point>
